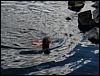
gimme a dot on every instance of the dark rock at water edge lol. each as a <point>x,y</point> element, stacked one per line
<point>88,26</point>
<point>96,4</point>
<point>75,5</point>
<point>85,21</point>
<point>96,12</point>
<point>93,35</point>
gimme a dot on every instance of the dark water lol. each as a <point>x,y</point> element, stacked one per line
<point>92,67</point>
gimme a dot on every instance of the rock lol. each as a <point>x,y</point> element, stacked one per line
<point>96,12</point>
<point>93,35</point>
<point>96,5</point>
<point>75,5</point>
<point>85,21</point>
<point>93,1</point>
<point>68,18</point>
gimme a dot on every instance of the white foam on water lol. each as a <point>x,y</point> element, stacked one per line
<point>70,54</point>
<point>87,61</point>
<point>95,51</point>
<point>84,45</point>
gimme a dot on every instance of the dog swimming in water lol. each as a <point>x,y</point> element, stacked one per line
<point>45,44</point>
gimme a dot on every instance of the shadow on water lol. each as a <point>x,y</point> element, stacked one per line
<point>84,52</point>
<point>31,52</point>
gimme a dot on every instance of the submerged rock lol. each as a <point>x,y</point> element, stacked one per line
<point>75,5</point>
